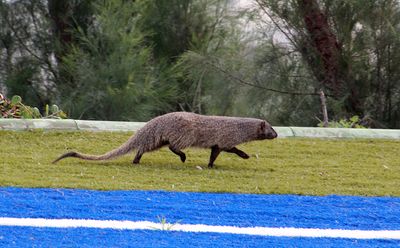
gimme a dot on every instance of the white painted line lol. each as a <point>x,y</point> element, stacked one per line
<point>147,225</point>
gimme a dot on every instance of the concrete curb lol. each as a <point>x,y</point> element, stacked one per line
<point>83,125</point>
<point>68,124</point>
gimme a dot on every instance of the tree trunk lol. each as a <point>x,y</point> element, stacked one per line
<point>336,76</point>
<point>325,42</point>
<point>58,11</point>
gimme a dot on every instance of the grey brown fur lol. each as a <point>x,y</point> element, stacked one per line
<point>180,130</point>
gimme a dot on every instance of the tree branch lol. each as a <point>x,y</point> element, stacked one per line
<point>276,24</point>
<point>240,80</point>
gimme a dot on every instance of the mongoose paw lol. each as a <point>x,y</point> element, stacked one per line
<point>210,166</point>
<point>183,158</point>
<point>245,156</point>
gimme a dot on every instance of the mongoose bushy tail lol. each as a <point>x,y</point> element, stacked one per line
<point>180,130</point>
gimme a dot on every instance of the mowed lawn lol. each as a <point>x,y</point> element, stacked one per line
<point>281,166</point>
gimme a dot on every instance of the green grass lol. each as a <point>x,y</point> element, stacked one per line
<point>281,166</point>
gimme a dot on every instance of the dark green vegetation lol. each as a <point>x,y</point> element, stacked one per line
<point>133,60</point>
<point>295,166</point>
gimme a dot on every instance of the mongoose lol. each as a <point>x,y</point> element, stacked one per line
<point>180,130</point>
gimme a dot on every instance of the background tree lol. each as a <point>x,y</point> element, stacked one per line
<point>175,27</point>
<point>333,38</point>
<point>26,67</point>
<point>111,69</point>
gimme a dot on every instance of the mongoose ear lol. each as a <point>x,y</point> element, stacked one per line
<point>262,126</point>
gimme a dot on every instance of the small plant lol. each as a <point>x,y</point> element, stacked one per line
<point>14,108</point>
<point>353,122</point>
<point>164,225</point>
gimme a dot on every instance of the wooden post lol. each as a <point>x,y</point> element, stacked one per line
<point>323,108</point>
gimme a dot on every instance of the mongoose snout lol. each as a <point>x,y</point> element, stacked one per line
<point>272,134</point>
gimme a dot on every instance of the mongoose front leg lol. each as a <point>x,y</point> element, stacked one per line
<point>137,157</point>
<point>179,153</point>
<point>238,152</point>
<point>214,154</point>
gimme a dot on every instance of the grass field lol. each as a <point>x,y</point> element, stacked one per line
<point>281,166</point>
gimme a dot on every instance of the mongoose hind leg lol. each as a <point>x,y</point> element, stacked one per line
<point>238,152</point>
<point>178,152</point>
<point>215,151</point>
<point>137,158</point>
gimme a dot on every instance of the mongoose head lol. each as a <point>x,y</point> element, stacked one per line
<point>266,131</point>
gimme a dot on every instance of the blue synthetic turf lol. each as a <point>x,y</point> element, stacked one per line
<point>243,210</point>
<point>87,237</point>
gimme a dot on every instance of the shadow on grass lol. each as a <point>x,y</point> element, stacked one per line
<point>232,165</point>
